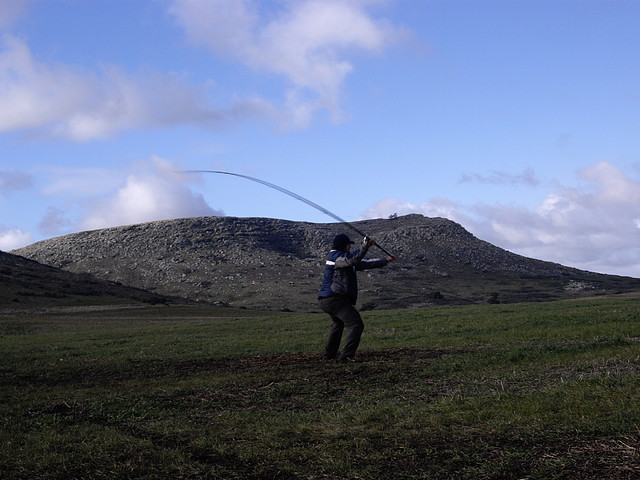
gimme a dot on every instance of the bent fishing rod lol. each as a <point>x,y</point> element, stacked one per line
<point>294,195</point>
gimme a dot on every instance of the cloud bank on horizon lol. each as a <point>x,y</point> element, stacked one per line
<point>285,69</point>
<point>595,226</point>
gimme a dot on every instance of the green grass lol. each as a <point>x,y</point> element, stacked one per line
<point>536,391</point>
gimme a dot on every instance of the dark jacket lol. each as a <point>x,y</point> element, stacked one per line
<point>340,272</point>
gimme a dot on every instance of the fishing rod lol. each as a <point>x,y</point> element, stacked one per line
<point>294,195</point>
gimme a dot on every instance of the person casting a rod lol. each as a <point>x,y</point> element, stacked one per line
<point>339,292</point>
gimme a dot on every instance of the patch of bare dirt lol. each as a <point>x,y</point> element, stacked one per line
<point>616,458</point>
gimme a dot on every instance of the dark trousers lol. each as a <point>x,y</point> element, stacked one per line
<point>343,315</point>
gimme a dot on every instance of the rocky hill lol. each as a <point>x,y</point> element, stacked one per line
<point>27,283</point>
<point>278,264</point>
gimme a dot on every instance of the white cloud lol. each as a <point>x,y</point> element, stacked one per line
<point>14,238</point>
<point>527,177</point>
<point>436,207</point>
<point>11,10</point>
<point>595,227</point>
<point>154,192</point>
<point>33,95</point>
<point>60,101</point>
<point>305,41</point>
<point>14,180</point>
<point>54,222</point>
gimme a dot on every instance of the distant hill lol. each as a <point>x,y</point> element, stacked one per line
<point>27,283</point>
<point>278,264</point>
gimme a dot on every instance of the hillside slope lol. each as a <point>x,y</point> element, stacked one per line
<point>278,264</point>
<point>27,283</point>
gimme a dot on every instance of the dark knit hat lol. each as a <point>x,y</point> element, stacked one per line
<point>341,241</point>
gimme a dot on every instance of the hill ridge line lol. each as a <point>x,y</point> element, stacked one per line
<point>257,262</point>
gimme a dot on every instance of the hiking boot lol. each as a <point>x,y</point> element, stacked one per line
<point>348,360</point>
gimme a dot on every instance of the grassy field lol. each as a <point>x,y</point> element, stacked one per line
<point>517,391</point>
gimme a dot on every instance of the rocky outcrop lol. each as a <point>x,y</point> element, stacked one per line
<point>278,264</point>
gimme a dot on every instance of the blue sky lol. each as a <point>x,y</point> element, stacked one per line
<point>518,119</point>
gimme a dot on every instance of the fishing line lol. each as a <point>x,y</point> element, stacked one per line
<point>294,195</point>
